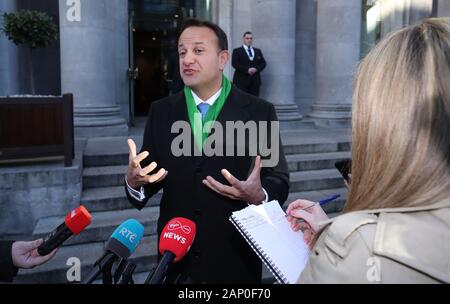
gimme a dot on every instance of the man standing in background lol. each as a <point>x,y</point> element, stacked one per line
<point>249,63</point>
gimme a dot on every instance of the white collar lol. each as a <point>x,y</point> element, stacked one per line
<point>210,101</point>
<point>246,47</point>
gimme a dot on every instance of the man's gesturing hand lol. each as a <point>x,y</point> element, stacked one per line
<point>249,191</point>
<point>136,175</point>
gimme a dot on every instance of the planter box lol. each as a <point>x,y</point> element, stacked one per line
<point>33,127</point>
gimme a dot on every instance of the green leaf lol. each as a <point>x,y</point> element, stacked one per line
<point>33,28</point>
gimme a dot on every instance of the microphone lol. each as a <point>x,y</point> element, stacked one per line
<point>74,223</point>
<point>127,274</point>
<point>175,241</point>
<point>122,243</point>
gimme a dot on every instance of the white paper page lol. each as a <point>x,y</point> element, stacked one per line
<point>268,226</point>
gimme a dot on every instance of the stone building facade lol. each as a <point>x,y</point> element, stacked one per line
<point>311,46</point>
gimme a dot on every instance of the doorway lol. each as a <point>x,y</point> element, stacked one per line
<point>153,48</point>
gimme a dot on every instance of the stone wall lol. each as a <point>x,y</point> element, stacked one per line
<point>29,192</point>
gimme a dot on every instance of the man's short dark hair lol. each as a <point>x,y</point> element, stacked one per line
<point>247,33</point>
<point>221,36</point>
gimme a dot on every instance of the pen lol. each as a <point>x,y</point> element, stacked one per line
<point>321,203</point>
<point>327,200</point>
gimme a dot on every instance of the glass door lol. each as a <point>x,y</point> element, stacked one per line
<point>154,28</point>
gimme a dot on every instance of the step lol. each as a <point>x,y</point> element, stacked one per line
<point>54,271</point>
<point>107,176</point>
<point>315,180</point>
<point>103,224</point>
<point>108,151</point>
<point>322,140</point>
<point>121,157</point>
<point>316,147</point>
<point>315,196</point>
<point>111,198</point>
<point>113,159</point>
<point>110,176</point>
<point>315,161</point>
<point>112,151</point>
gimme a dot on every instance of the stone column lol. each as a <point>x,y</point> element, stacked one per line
<point>305,55</point>
<point>273,27</point>
<point>401,13</point>
<point>88,61</point>
<point>222,15</point>
<point>242,14</point>
<point>8,56</point>
<point>122,83</point>
<point>443,8</point>
<point>338,51</point>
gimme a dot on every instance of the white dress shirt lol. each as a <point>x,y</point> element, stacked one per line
<point>248,55</point>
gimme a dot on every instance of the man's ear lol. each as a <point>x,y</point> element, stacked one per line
<point>223,59</point>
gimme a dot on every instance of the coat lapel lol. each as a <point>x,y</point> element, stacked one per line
<point>245,54</point>
<point>234,108</point>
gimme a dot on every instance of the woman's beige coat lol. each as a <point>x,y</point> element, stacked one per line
<point>408,245</point>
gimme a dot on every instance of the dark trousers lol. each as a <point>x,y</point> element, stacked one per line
<point>251,88</point>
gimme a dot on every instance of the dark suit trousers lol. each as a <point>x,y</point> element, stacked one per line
<point>251,87</point>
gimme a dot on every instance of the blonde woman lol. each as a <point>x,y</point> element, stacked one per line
<point>396,222</point>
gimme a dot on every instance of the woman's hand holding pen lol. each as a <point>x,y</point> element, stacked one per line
<point>311,212</point>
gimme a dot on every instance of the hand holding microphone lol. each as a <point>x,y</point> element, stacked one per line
<point>25,255</point>
<point>74,223</point>
<point>28,255</point>
<point>175,241</point>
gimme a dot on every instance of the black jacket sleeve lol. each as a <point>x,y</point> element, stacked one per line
<point>7,269</point>
<point>261,65</point>
<point>275,180</point>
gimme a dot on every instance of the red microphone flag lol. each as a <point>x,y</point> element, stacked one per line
<point>78,219</point>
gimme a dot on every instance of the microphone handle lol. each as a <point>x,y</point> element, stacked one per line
<point>127,275</point>
<point>119,270</point>
<point>161,269</point>
<point>54,239</point>
<point>104,262</point>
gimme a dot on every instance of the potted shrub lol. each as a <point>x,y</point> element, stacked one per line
<point>30,28</point>
<point>34,126</point>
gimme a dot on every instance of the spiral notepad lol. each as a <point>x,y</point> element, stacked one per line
<point>267,231</point>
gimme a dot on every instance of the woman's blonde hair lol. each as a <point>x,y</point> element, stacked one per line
<point>401,120</point>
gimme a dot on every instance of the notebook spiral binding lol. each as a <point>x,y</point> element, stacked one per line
<point>281,278</point>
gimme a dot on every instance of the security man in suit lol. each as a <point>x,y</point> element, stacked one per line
<point>248,62</point>
<point>201,187</point>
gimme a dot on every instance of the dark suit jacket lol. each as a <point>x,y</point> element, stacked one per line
<point>7,269</point>
<point>219,253</point>
<point>242,63</point>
